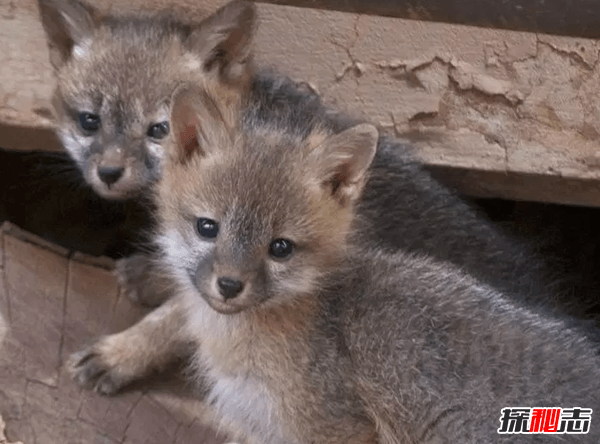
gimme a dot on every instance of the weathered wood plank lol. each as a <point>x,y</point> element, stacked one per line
<point>485,100</point>
<point>35,274</point>
<point>523,187</point>
<point>577,18</point>
<point>58,305</point>
<point>3,439</point>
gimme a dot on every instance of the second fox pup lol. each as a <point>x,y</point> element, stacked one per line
<point>302,336</point>
<point>116,75</point>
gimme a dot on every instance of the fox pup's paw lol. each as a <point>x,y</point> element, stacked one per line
<point>99,368</point>
<point>138,281</point>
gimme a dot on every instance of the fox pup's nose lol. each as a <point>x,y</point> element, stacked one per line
<point>229,288</point>
<point>109,174</point>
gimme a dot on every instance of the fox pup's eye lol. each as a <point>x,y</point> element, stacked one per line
<point>159,130</point>
<point>89,121</point>
<point>207,228</point>
<point>281,248</point>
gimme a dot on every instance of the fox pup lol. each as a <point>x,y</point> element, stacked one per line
<point>116,75</point>
<point>115,78</point>
<point>305,336</point>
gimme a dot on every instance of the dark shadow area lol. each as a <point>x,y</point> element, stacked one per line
<point>567,236</point>
<point>45,194</point>
<point>577,18</point>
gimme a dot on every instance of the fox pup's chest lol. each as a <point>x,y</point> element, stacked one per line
<point>249,373</point>
<point>249,404</point>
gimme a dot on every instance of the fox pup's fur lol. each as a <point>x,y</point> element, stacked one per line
<point>303,335</point>
<point>124,70</point>
<point>117,74</point>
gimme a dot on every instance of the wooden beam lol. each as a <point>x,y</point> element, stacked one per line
<point>505,105</point>
<point>577,18</point>
<point>521,187</point>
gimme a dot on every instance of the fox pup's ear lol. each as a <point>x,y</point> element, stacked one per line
<point>67,24</point>
<point>344,159</point>
<point>223,41</point>
<point>199,127</point>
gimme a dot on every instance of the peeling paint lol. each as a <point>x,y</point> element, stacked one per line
<point>582,51</point>
<point>532,100</point>
<point>3,438</point>
<point>355,67</point>
<point>469,77</point>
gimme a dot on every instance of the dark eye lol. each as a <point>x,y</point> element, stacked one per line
<point>207,228</point>
<point>89,122</point>
<point>158,130</point>
<point>281,248</point>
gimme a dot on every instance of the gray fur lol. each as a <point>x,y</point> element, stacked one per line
<point>131,71</point>
<point>404,208</point>
<point>342,343</point>
<point>395,348</point>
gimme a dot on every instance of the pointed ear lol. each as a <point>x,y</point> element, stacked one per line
<point>67,23</point>
<point>344,159</point>
<point>223,41</point>
<point>199,127</point>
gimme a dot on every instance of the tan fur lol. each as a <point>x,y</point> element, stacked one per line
<point>262,341</point>
<point>119,359</point>
<point>333,343</point>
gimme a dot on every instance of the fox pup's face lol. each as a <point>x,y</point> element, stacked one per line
<point>257,217</point>
<point>116,76</point>
<point>114,114</point>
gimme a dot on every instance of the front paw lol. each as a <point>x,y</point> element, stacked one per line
<point>98,369</point>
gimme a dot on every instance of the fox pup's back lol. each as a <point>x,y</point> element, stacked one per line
<point>438,355</point>
<point>404,208</point>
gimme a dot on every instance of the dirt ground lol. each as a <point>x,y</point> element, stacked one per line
<point>54,304</point>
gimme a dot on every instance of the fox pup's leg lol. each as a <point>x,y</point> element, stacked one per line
<point>119,359</point>
<point>142,281</point>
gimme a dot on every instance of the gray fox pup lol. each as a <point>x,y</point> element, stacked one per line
<point>115,78</point>
<point>302,334</point>
<point>116,75</point>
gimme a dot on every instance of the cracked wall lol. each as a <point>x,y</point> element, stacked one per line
<point>478,99</point>
<point>472,98</point>
<point>514,104</point>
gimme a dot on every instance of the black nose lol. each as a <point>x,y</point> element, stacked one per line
<point>110,175</point>
<point>229,288</point>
